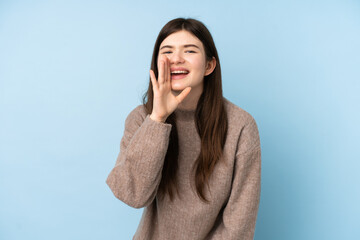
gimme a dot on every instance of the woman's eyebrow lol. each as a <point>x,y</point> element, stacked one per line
<point>186,45</point>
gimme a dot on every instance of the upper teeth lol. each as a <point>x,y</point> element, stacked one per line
<point>179,72</point>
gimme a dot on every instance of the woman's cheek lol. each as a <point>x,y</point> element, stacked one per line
<point>158,62</point>
<point>198,64</point>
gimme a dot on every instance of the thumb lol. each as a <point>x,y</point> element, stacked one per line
<point>183,94</point>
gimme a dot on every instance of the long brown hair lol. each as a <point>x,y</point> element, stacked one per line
<point>210,113</point>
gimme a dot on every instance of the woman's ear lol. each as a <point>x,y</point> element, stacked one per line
<point>210,66</point>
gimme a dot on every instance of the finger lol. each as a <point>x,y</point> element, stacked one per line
<point>169,71</point>
<point>153,79</point>
<point>166,70</point>
<point>161,72</point>
<point>183,94</point>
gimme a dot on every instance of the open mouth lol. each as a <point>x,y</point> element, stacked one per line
<point>175,75</point>
<point>179,73</point>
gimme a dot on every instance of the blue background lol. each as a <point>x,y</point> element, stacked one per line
<point>71,71</point>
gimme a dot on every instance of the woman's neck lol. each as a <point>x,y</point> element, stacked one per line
<point>191,100</point>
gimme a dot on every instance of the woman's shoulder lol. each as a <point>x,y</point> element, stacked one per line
<point>236,114</point>
<point>242,123</point>
<point>137,114</point>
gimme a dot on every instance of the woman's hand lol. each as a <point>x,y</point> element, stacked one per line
<point>165,102</point>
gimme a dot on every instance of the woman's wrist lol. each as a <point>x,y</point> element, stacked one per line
<point>157,119</point>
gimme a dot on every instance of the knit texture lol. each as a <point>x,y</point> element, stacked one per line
<point>234,192</point>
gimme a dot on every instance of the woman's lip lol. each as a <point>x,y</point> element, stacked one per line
<point>178,69</point>
<point>180,76</point>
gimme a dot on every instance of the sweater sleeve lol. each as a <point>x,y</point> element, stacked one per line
<point>239,214</point>
<point>137,172</point>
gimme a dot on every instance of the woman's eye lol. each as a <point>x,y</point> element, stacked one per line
<point>188,51</point>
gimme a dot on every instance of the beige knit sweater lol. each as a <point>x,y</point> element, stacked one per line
<point>234,185</point>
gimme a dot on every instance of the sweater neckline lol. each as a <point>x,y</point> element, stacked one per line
<point>185,114</point>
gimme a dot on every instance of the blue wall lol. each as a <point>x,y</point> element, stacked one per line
<point>71,71</point>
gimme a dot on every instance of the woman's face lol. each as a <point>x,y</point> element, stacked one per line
<point>185,53</point>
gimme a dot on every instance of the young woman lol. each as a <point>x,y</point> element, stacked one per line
<point>188,155</point>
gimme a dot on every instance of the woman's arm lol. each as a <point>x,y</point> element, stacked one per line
<point>137,172</point>
<point>239,215</point>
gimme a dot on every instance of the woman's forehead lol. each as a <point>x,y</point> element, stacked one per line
<point>180,39</point>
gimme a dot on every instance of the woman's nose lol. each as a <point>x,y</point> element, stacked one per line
<point>176,57</point>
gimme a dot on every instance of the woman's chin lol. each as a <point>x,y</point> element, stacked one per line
<point>177,88</point>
